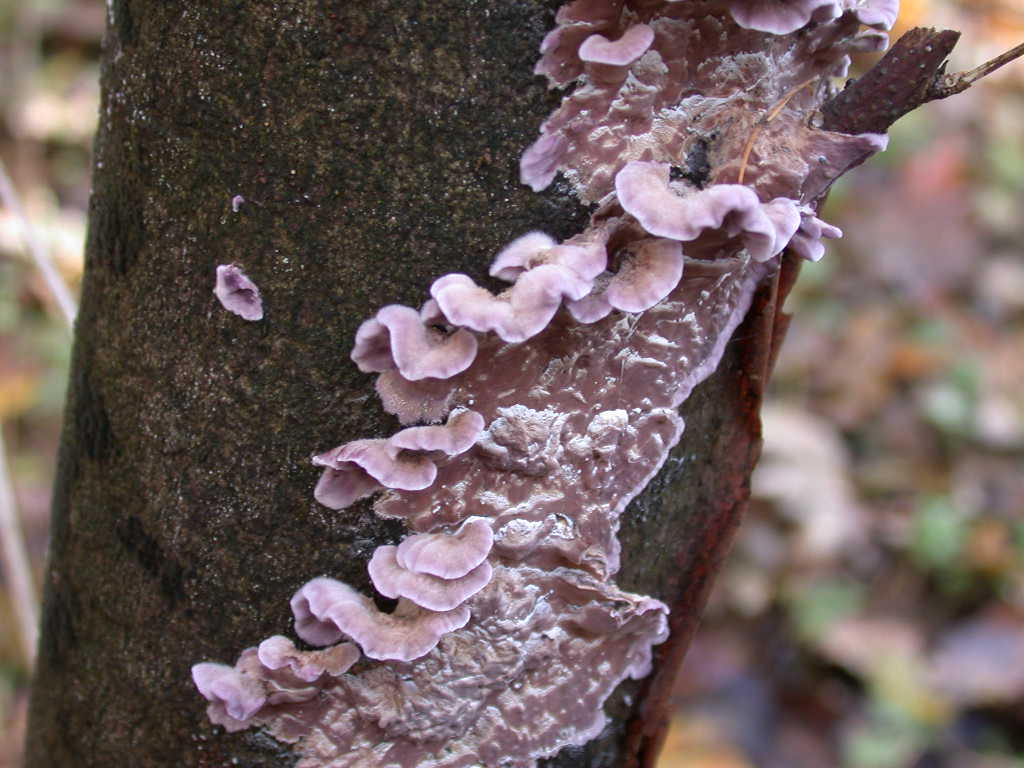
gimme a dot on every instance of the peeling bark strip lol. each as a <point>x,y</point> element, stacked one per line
<point>553,486</point>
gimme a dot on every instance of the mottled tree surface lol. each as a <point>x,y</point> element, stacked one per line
<point>375,146</point>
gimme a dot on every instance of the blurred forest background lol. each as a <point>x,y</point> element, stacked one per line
<point>872,612</point>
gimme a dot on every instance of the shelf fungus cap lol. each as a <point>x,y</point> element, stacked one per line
<point>237,293</point>
<point>780,17</point>
<point>540,161</point>
<point>647,275</point>
<point>229,692</point>
<point>806,243</point>
<point>521,311</point>
<point>631,46</point>
<point>644,192</point>
<point>457,436</point>
<point>357,469</point>
<point>432,592</point>
<point>448,555</point>
<point>278,652</point>
<point>880,14</point>
<point>326,610</point>
<point>403,461</point>
<point>398,337</point>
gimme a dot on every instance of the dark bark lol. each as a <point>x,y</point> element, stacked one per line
<point>375,145</point>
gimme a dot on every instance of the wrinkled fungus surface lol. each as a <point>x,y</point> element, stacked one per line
<point>690,128</point>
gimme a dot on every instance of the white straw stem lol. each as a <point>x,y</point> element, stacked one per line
<point>17,572</point>
<point>37,250</point>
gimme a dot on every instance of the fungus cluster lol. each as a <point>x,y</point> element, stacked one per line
<point>534,415</point>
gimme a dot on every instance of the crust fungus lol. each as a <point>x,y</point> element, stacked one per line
<point>433,592</point>
<point>278,652</point>
<point>448,555</point>
<point>631,46</point>
<point>234,697</point>
<point>237,293</point>
<point>400,337</point>
<point>644,191</point>
<point>326,610</point>
<point>406,460</point>
<point>557,420</point>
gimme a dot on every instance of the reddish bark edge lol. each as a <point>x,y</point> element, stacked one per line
<point>756,343</point>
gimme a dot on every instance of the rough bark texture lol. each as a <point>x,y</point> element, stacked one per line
<point>375,144</point>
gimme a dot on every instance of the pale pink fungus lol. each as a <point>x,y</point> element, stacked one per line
<point>516,314</point>
<point>583,255</point>
<point>780,17</point>
<point>514,258</point>
<point>806,243</point>
<point>539,163</point>
<point>875,13</point>
<point>326,610</point>
<point>455,437</point>
<point>645,192</point>
<point>647,275</point>
<point>357,469</point>
<point>448,555</point>
<point>433,592</point>
<point>622,52</point>
<point>278,652</point>
<point>229,692</point>
<point>237,293</point>
<point>398,337</point>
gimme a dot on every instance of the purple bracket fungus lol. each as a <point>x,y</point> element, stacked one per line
<point>556,421</point>
<point>585,257</point>
<point>645,192</point>
<point>399,337</point>
<point>806,243</point>
<point>432,592</point>
<point>522,311</point>
<point>326,610</point>
<point>780,17</point>
<point>278,652</point>
<point>237,293</point>
<point>647,275</point>
<point>234,697</point>
<point>448,555</point>
<point>405,460</point>
<point>622,52</point>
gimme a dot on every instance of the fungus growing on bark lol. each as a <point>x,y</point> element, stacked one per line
<point>406,460</point>
<point>433,592</point>
<point>234,697</point>
<point>327,610</point>
<point>506,595</point>
<point>237,293</point>
<point>516,314</point>
<point>645,192</point>
<point>400,337</point>
<point>627,49</point>
<point>278,652</point>
<point>448,555</point>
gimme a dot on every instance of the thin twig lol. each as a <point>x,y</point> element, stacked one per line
<point>947,85</point>
<point>37,250</point>
<point>17,573</point>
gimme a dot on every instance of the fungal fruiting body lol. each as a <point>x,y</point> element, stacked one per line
<point>534,415</point>
<point>237,293</point>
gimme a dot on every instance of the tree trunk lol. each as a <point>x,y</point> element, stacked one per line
<point>374,146</point>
